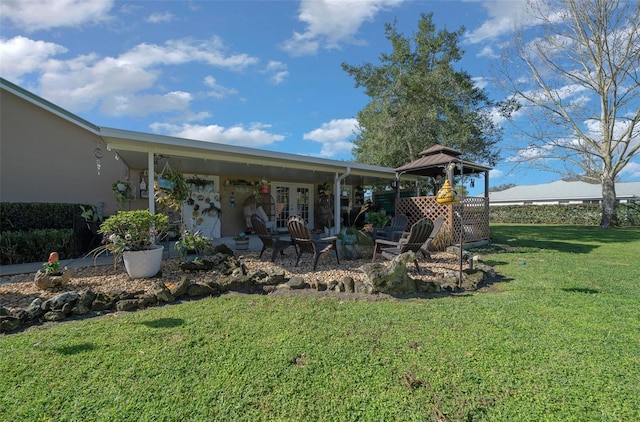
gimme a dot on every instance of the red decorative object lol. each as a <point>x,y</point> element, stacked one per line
<point>264,189</point>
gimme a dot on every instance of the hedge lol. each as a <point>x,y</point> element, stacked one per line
<point>29,231</point>
<point>579,214</point>
<point>18,216</point>
<point>17,247</point>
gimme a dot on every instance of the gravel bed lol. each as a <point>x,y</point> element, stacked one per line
<point>18,291</point>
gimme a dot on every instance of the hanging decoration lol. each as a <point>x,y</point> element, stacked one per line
<point>98,154</point>
<point>447,195</point>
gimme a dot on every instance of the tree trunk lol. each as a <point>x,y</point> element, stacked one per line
<point>609,218</point>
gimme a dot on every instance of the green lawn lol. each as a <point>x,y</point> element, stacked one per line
<point>557,340</point>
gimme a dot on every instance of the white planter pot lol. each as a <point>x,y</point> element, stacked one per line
<point>143,264</point>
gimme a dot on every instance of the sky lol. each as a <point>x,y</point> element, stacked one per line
<point>261,74</point>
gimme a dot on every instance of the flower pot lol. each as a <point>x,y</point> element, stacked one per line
<point>165,184</point>
<point>143,264</point>
<point>264,189</point>
<point>242,245</point>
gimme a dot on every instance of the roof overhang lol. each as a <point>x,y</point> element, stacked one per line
<point>200,157</point>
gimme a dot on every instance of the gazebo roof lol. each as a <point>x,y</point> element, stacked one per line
<point>433,159</point>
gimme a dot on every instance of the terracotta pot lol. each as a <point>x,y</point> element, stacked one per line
<point>143,264</point>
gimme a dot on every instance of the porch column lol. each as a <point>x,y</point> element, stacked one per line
<point>150,187</point>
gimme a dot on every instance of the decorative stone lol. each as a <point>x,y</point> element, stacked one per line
<point>35,308</point>
<point>54,316</point>
<point>181,287</point>
<point>197,289</point>
<point>64,301</point>
<point>102,302</point>
<point>9,323</point>
<point>392,279</point>
<point>127,305</point>
<point>46,281</point>
<point>348,284</point>
<point>297,282</point>
<point>162,293</point>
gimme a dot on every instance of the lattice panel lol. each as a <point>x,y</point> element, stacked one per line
<point>471,213</point>
<point>419,207</point>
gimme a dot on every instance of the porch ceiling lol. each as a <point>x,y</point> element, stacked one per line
<point>201,157</point>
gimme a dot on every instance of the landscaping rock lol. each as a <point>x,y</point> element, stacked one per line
<point>181,287</point>
<point>197,289</point>
<point>63,302</point>
<point>102,302</point>
<point>162,292</point>
<point>297,283</point>
<point>392,279</point>
<point>46,281</point>
<point>128,304</point>
<point>348,284</point>
<point>9,323</point>
<point>54,316</point>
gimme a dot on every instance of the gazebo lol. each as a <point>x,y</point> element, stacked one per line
<point>469,216</point>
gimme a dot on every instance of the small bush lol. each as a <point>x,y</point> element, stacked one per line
<point>443,239</point>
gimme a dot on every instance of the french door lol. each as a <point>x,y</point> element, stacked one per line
<point>293,199</point>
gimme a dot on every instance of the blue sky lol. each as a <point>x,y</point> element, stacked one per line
<point>262,74</point>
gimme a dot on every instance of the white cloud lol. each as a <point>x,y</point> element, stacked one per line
<point>141,105</point>
<point>495,174</point>
<point>160,17</point>
<point>504,17</point>
<point>113,83</point>
<point>218,91</point>
<point>21,56</point>
<point>332,22</point>
<point>255,135</point>
<point>334,136</point>
<point>277,70</point>
<point>33,15</point>
<point>631,171</point>
<point>487,51</point>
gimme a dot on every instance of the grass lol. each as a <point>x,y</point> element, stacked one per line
<point>558,339</point>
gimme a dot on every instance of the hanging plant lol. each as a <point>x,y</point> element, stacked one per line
<point>121,191</point>
<point>179,192</point>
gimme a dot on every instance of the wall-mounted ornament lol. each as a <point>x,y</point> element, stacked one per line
<point>98,154</point>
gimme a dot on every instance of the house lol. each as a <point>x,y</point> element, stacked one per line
<point>562,192</point>
<point>48,154</point>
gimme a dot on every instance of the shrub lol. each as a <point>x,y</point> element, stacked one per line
<point>35,245</point>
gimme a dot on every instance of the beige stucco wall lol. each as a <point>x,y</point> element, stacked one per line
<point>45,158</point>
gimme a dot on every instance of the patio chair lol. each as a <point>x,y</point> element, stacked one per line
<point>263,205</point>
<point>269,240</point>
<point>394,229</point>
<point>418,235</point>
<point>437,225</point>
<point>301,237</point>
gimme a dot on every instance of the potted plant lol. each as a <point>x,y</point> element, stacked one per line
<point>377,219</point>
<point>172,190</point>
<point>192,243</point>
<point>324,189</point>
<point>52,276</point>
<point>121,191</point>
<point>242,241</point>
<point>131,235</point>
<point>263,186</point>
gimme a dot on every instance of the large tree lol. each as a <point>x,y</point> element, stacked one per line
<point>577,81</point>
<point>419,99</point>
